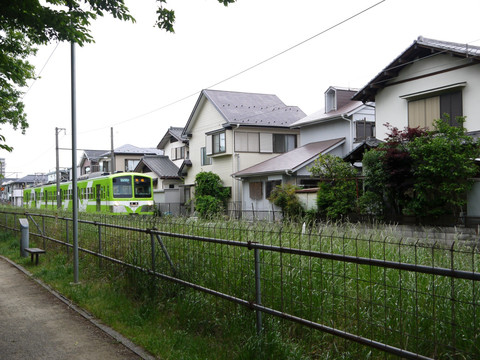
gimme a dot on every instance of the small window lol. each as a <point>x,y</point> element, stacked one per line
<point>256,192</point>
<point>364,130</point>
<point>219,145</point>
<point>284,142</point>
<point>247,142</point>
<point>204,159</point>
<point>423,112</point>
<point>131,164</point>
<point>270,185</point>
<point>178,153</point>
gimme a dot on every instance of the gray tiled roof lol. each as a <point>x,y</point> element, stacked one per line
<point>130,149</point>
<point>31,179</point>
<point>160,165</point>
<point>94,154</point>
<point>292,160</point>
<point>422,47</point>
<point>321,116</point>
<point>250,109</point>
<point>175,132</point>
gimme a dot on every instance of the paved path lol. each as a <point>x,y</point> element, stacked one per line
<point>36,324</point>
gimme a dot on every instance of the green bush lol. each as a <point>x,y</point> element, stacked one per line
<point>337,195</point>
<point>210,195</point>
<point>285,198</point>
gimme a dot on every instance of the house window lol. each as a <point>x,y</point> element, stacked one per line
<point>284,142</point>
<point>364,129</point>
<point>422,113</point>
<point>247,142</point>
<point>218,143</point>
<point>204,159</point>
<point>130,165</point>
<point>270,185</point>
<point>256,192</point>
<point>178,153</point>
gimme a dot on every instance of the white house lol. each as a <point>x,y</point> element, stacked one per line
<point>229,131</point>
<point>428,79</point>
<point>341,117</point>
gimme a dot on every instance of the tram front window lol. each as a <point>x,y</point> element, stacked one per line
<point>122,187</point>
<point>142,187</point>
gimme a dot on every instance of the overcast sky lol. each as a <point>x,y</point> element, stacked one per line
<point>133,73</point>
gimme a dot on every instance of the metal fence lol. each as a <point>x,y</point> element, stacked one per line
<point>368,292</point>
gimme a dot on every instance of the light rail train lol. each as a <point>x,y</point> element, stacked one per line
<point>119,193</point>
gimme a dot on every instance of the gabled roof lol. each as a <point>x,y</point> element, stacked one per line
<point>356,154</point>
<point>175,132</point>
<point>251,109</point>
<point>130,149</point>
<point>421,48</point>
<point>161,165</point>
<point>93,154</point>
<point>31,179</point>
<point>320,116</point>
<point>291,161</point>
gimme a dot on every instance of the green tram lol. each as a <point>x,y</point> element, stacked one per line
<point>119,193</point>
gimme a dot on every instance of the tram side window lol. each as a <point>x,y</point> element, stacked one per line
<point>122,187</point>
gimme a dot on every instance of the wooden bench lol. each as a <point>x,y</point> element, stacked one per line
<point>36,252</point>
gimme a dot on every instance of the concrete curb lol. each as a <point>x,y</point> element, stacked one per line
<point>112,333</point>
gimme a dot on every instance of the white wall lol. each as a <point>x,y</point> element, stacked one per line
<point>394,110</point>
<point>224,165</point>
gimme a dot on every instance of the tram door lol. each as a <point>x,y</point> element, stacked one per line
<point>98,193</point>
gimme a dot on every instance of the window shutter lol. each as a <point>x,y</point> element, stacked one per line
<point>173,154</point>
<point>256,190</point>
<point>208,145</point>
<point>241,141</point>
<point>253,142</point>
<point>416,113</point>
<point>432,111</point>
<point>266,143</point>
<point>452,105</point>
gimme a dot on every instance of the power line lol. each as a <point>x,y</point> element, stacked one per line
<point>41,70</point>
<point>247,69</point>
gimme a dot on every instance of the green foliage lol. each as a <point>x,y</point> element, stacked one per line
<point>210,195</point>
<point>285,198</point>
<point>422,173</point>
<point>27,24</point>
<point>338,189</point>
<point>443,170</point>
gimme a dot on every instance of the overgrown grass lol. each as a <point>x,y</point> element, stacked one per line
<point>172,323</point>
<point>432,315</point>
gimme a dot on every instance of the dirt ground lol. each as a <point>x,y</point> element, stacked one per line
<point>36,324</point>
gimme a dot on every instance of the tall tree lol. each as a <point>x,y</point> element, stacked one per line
<point>26,24</point>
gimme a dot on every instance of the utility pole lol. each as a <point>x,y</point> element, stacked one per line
<point>112,150</point>
<point>74,165</point>
<point>59,200</point>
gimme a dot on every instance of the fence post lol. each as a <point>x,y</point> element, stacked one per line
<point>43,232</point>
<point>152,244</point>
<point>100,246</point>
<point>68,237</point>
<point>258,290</point>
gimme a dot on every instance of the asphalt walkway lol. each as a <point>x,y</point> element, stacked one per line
<point>36,323</point>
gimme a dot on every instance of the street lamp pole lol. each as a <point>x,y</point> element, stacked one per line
<point>59,200</point>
